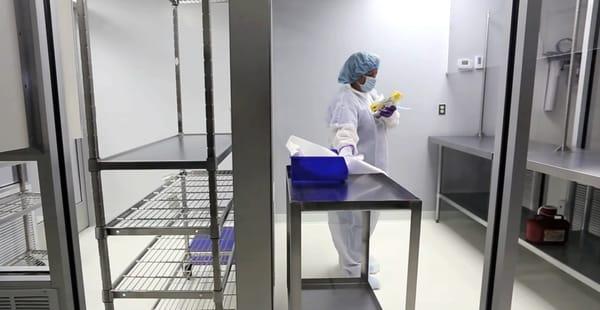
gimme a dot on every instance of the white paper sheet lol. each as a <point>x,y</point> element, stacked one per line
<point>359,166</point>
<point>302,147</point>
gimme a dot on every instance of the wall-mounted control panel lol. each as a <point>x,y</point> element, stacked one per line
<point>465,64</point>
<point>478,62</point>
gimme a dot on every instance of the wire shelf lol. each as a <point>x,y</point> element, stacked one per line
<point>180,206</point>
<point>36,258</point>
<point>17,234</point>
<point>17,205</point>
<point>164,270</point>
<point>199,1</point>
<point>182,151</point>
<point>229,300</point>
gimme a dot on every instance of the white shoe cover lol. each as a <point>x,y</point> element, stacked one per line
<point>375,284</point>
<point>374,266</point>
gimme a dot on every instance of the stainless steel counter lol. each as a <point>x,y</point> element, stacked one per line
<point>580,255</point>
<point>578,165</point>
<point>360,193</point>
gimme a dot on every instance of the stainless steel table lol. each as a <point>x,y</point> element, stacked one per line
<point>577,165</point>
<point>375,192</point>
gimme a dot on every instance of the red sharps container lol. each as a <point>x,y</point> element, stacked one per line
<point>547,227</point>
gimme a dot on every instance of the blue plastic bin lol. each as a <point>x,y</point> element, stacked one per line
<point>202,244</point>
<point>318,170</point>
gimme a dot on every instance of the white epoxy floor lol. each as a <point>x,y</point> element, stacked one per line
<point>450,270</point>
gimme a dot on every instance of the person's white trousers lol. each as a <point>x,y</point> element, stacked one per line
<point>346,230</point>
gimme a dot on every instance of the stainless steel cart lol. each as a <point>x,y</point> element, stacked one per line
<point>375,192</point>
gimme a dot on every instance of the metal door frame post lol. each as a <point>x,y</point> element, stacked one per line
<point>94,154</point>
<point>509,164</point>
<point>440,171</point>
<point>250,46</point>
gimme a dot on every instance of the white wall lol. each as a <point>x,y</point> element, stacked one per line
<point>69,74</point>
<point>465,88</point>
<point>192,71</point>
<point>312,39</point>
<point>134,82</point>
<point>556,23</point>
<point>13,123</point>
<point>467,40</point>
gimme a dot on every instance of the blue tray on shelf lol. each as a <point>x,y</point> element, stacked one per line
<point>201,245</point>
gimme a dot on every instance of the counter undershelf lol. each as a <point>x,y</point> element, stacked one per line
<point>579,257</point>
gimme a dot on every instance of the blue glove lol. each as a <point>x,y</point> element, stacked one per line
<point>387,111</point>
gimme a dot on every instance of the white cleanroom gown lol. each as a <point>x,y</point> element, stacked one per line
<point>356,132</point>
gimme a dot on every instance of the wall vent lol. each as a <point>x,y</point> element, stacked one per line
<point>579,201</point>
<point>28,300</point>
<point>595,214</point>
<point>594,224</point>
<point>5,303</point>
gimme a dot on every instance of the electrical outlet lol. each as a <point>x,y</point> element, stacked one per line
<point>442,109</point>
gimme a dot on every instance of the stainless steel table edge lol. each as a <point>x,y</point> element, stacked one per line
<point>476,150</point>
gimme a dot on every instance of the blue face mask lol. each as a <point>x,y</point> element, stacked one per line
<point>369,84</point>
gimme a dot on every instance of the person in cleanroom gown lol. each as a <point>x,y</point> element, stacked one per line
<point>356,131</point>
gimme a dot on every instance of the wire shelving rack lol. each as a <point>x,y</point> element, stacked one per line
<point>18,244</point>
<point>189,264</point>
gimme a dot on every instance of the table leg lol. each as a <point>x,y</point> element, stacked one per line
<point>294,246</point>
<point>366,236</point>
<point>413,258</point>
<point>439,184</point>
